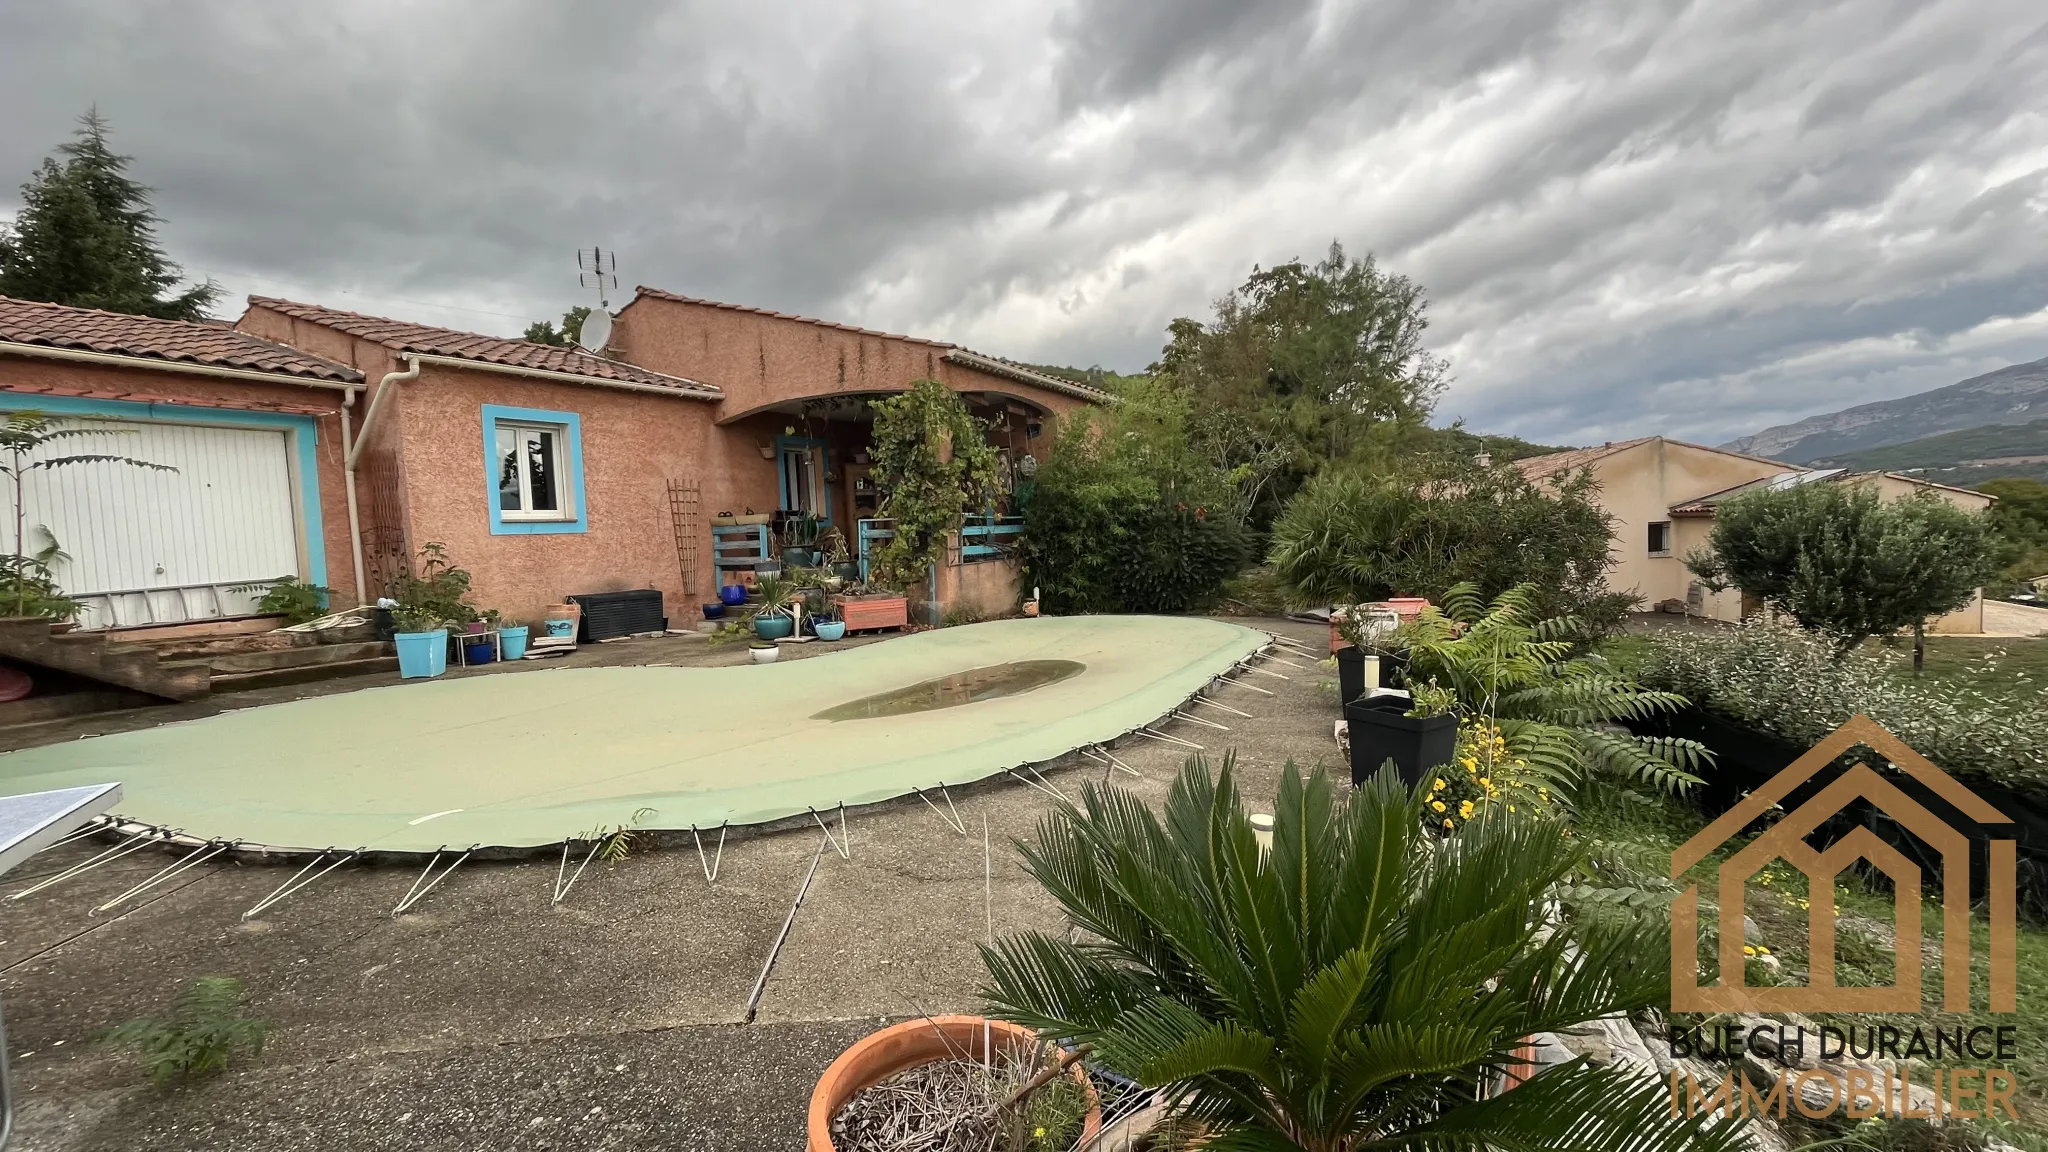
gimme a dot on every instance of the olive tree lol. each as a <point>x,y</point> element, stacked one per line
<point>1839,558</point>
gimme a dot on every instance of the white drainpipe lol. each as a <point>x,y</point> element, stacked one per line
<point>354,450</point>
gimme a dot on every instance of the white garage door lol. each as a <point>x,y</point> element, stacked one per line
<point>148,546</point>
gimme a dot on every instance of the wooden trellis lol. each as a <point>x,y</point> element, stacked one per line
<point>686,511</point>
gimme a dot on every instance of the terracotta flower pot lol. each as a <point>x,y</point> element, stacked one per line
<point>880,1055</point>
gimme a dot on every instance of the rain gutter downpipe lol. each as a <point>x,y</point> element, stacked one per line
<point>354,451</point>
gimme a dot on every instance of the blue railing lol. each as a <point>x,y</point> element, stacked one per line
<point>982,538</point>
<point>989,537</point>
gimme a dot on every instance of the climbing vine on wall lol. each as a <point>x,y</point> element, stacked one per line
<point>932,463</point>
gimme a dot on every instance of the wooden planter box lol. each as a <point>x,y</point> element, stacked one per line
<point>867,613</point>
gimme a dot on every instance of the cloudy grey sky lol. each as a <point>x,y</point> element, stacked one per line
<point>1632,216</point>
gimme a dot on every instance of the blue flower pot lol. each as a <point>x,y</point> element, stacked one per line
<point>732,595</point>
<point>773,627</point>
<point>479,652</point>
<point>714,610</point>
<point>831,629</point>
<point>513,641</point>
<point>422,654</point>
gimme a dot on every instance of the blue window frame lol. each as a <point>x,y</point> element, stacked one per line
<point>533,471</point>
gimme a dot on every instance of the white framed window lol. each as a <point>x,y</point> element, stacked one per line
<point>533,466</point>
<point>1660,538</point>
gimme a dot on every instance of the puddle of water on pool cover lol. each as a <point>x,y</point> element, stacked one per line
<point>953,690</point>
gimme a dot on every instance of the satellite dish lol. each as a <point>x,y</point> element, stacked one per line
<point>597,329</point>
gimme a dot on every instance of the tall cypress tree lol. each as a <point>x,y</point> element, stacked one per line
<point>86,236</point>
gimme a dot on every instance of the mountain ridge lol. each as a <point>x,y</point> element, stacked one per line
<point>2016,394</point>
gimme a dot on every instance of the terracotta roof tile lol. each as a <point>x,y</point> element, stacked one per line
<point>953,352</point>
<point>427,340</point>
<point>156,398</point>
<point>204,343</point>
<point>1539,467</point>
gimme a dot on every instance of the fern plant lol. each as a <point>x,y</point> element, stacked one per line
<point>200,1036</point>
<point>1559,712</point>
<point>1356,986</point>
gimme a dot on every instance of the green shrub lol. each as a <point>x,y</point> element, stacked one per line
<point>433,593</point>
<point>288,598</point>
<point>924,487</point>
<point>199,1037</point>
<point>1125,517</point>
<point>1351,537</point>
<point>1792,684</point>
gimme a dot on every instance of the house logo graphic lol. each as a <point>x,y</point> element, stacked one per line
<point>1786,841</point>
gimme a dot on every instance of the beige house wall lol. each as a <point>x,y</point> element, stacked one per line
<point>1638,486</point>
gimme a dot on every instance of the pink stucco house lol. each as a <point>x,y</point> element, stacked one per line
<point>545,471</point>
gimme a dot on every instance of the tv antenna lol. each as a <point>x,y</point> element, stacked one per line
<point>598,269</point>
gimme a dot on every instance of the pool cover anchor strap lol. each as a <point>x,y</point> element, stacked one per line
<point>1247,666</point>
<point>710,866</point>
<point>1165,739</point>
<point>92,828</point>
<point>197,856</point>
<point>844,844</point>
<point>1243,684</point>
<point>774,950</point>
<point>953,821</point>
<point>416,893</point>
<point>1101,755</point>
<point>142,839</point>
<point>1177,714</point>
<point>561,889</point>
<point>1214,704</point>
<point>1269,655</point>
<point>1042,784</point>
<point>295,884</point>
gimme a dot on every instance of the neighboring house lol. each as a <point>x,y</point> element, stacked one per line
<point>1662,494</point>
<point>253,428</point>
<point>333,447</point>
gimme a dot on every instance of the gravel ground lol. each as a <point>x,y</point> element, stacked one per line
<point>489,1019</point>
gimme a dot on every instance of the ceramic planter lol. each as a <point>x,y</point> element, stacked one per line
<point>421,654</point>
<point>1379,733</point>
<point>830,629</point>
<point>765,654</point>
<point>513,641</point>
<point>773,626</point>
<point>924,1040</point>
<point>732,595</point>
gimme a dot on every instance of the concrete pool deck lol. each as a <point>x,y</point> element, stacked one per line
<point>489,1019</point>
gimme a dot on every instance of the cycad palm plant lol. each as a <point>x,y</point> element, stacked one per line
<point>1559,712</point>
<point>1355,988</point>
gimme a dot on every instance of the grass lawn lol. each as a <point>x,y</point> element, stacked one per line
<point>1652,827</point>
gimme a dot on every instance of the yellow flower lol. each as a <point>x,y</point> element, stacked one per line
<point>1440,783</point>
<point>1465,809</point>
<point>1038,1133</point>
<point>1447,824</point>
<point>1748,951</point>
<point>1437,804</point>
<point>1762,951</point>
<point>1485,783</point>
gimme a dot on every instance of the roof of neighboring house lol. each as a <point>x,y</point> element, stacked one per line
<point>1921,480</point>
<point>967,357</point>
<point>1794,477</point>
<point>159,398</point>
<point>202,343</point>
<point>1538,467</point>
<point>1790,478</point>
<point>1572,459</point>
<point>427,340</point>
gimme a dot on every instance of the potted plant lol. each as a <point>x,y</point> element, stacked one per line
<point>1022,1064</point>
<point>1416,734</point>
<point>774,617</point>
<point>512,641</point>
<point>825,621</point>
<point>477,646</point>
<point>764,651</point>
<point>421,638</point>
<point>864,607</point>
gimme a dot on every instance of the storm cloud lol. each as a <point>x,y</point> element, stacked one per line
<point>1631,217</point>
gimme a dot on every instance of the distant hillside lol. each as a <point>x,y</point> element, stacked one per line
<point>2015,395</point>
<point>1966,459</point>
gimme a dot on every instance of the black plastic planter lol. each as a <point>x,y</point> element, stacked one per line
<point>1351,672</point>
<point>1379,733</point>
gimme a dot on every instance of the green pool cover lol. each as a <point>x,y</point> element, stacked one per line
<point>535,758</point>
